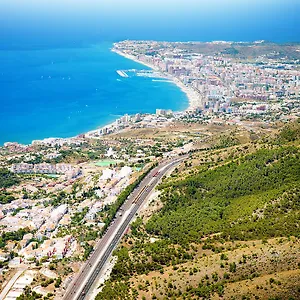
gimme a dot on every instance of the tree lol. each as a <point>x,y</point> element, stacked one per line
<point>7,178</point>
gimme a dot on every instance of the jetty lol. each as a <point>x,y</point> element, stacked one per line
<point>122,73</point>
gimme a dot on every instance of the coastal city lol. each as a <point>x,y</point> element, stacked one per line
<point>60,196</point>
<point>221,84</point>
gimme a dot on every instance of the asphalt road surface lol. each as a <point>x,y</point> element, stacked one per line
<point>80,287</point>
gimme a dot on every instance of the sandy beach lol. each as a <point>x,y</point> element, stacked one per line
<point>193,96</point>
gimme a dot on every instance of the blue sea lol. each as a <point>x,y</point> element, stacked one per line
<point>58,76</point>
<point>67,91</point>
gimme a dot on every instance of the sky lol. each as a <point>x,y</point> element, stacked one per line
<point>76,21</point>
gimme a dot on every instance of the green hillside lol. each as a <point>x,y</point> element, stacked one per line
<point>219,226</point>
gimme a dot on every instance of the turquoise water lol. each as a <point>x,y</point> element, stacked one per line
<point>39,39</point>
<point>67,91</point>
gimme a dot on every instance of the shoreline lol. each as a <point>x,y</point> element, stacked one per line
<point>192,96</point>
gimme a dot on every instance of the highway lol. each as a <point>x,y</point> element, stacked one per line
<point>80,287</point>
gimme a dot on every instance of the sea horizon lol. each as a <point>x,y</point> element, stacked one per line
<point>57,73</point>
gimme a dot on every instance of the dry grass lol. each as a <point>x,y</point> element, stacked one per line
<point>272,267</point>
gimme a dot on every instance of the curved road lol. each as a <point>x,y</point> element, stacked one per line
<point>80,287</point>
